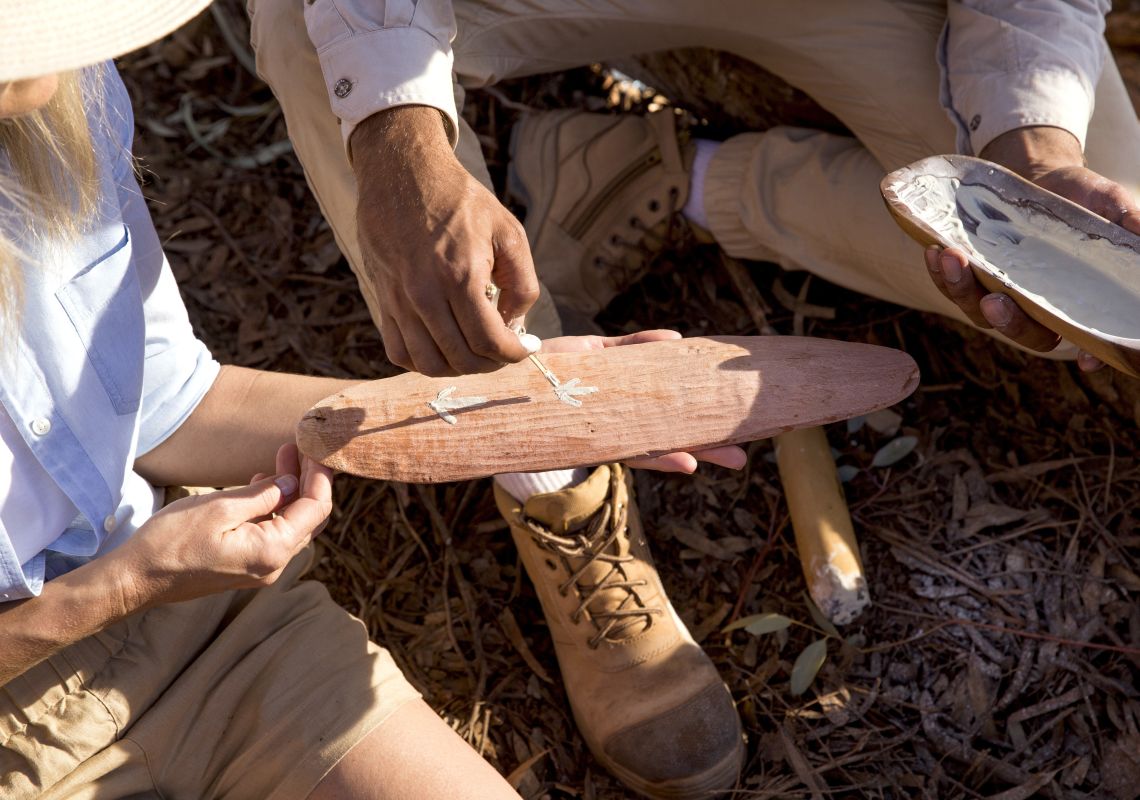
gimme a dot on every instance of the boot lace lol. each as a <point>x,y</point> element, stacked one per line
<point>592,544</point>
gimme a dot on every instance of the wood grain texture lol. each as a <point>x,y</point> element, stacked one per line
<point>652,398</point>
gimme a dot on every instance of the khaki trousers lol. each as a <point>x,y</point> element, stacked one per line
<point>240,695</point>
<point>804,199</point>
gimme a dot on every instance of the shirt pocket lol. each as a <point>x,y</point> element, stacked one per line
<point>104,304</point>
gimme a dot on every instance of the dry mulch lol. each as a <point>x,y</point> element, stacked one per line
<point>1002,655</point>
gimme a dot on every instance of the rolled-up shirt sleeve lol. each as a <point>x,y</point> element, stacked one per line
<point>178,368</point>
<point>1009,65</point>
<point>379,54</point>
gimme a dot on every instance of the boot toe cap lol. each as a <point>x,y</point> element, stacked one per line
<point>693,750</point>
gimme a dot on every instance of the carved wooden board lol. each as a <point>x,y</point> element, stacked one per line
<point>652,398</point>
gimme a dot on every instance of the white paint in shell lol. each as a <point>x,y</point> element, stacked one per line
<point>1085,280</point>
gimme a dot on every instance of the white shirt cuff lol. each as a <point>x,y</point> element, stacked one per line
<point>991,105</point>
<point>372,71</point>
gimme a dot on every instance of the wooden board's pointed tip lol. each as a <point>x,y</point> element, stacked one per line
<point>910,374</point>
<point>309,433</point>
<point>899,369</point>
<point>912,381</point>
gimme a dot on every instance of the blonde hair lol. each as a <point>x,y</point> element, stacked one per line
<point>52,185</point>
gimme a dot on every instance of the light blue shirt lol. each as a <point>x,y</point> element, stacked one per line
<point>105,366</point>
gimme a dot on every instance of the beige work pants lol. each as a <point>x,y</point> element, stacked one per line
<point>805,199</point>
<point>245,694</point>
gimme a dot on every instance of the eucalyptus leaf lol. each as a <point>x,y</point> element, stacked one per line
<point>846,472</point>
<point>894,451</point>
<point>807,665</point>
<point>855,424</point>
<point>760,624</point>
<point>768,623</point>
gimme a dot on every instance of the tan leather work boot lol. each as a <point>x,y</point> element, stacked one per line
<point>603,193</point>
<point>648,701</point>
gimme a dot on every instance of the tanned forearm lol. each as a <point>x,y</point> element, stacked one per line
<point>237,429</point>
<point>71,607</point>
<point>1034,151</point>
<point>404,134</point>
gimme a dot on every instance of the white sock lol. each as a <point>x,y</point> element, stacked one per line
<point>694,209</point>
<point>522,485</point>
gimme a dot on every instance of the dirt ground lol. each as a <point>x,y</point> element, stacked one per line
<point>1002,654</point>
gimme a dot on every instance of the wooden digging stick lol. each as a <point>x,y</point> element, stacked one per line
<point>825,537</point>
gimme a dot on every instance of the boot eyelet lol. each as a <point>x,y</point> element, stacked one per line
<point>615,240</point>
<point>634,222</point>
<point>654,206</point>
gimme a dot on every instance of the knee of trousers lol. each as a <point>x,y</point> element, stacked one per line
<point>278,37</point>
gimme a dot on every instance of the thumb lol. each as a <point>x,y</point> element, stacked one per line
<point>259,499</point>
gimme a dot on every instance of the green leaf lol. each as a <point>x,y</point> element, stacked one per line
<point>894,451</point>
<point>807,665</point>
<point>760,624</point>
<point>768,623</point>
<point>846,472</point>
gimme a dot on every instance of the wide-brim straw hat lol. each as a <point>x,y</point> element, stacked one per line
<point>42,37</point>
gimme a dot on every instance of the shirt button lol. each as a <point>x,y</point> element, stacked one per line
<point>41,425</point>
<point>109,523</point>
<point>342,88</point>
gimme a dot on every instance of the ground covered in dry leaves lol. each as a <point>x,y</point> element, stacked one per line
<point>1002,654</point>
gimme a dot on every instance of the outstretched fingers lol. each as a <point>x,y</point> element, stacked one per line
<point>583,344</point>
<point>670,462</point>
<point>641,337</point>
<point>729,456</point>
